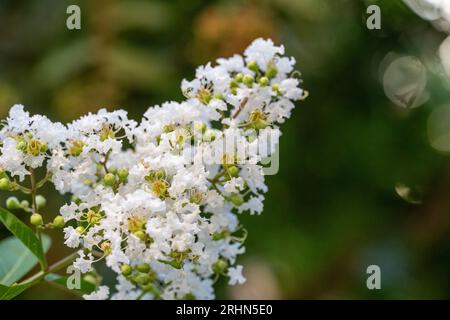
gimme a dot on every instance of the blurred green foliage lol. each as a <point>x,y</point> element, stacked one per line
<point>332,210</point>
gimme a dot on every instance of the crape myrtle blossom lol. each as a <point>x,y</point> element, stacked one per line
<point>158,201</point>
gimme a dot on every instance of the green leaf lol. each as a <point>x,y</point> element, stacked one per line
<point>24,233</point>
<point>16,260</point>
<point>85,287</point>
<point>7,293</point>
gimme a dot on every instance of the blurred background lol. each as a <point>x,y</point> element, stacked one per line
<point>364,166</point>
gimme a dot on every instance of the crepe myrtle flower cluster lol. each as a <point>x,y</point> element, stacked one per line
<point>158,200</point>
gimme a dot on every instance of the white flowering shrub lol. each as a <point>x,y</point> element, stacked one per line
<point>158,200</point>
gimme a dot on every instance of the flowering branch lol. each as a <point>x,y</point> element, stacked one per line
<point>162,213</point>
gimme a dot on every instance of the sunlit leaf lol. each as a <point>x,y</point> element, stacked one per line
<point>16,260</point>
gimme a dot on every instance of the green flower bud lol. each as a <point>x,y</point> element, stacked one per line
<point>264,81</point>
<point>122,174</point>
<point>252,65</point>
<point>109,179</point>
<point>145,268</point>
<point>89,278</point>
<point>126,269</point>
<point>41,202</point>
<point>236,199</point>
<point>36,219</point>
<point>233,171</point>
<point>271,71</point>
<point>140,235</point>
<point>113,170</point>
<point>5,184</point>
<point>220,266</point>
<point>58,222</point>
<point>24,204</point>
<point>239,77</point>
<point>248,80</point>
<point>234,84</point>
<point>21,145</point>
<point>79,229</point>
<point>260,124</point>
<point>142,279</point>
<point>2,173</point>
<point>12,203</point>
<point>44,147</point>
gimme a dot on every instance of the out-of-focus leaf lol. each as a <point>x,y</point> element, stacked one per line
<point>16,260</point>
<point>62,63</point>
<point>85,287</point>
<point>23,233</point>
<point>138,68</point>
<point>7,293</point>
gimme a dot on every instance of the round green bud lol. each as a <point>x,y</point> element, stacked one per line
<point>59,222</point>
<point>236,199</point>
<point>239,77</point>
<point>122,174</point>
<point>140,235</point>
<point>2,173</point>
<point>252,65</point>
<point>260,124</point>
<point>36,219</point>
<point>233,91</point>
<point>24,204</point>
<point>233,171</point>
<point>142,279</point>
<point>79,229</point>
<point>145,268</point>
<point>271,71</point>
<point>248,80</point>
<point>5,184</point>
<point>44,147</point>
<point>90,279</point>
<point>21,145</point>
<point>264,81</point>
<point>126,269</point>
<point>234,84</point>
<point>113,170</point>
<point>109,179</point>
<point>220,266</point>
<point>12,203</point>
<point>41,202</point>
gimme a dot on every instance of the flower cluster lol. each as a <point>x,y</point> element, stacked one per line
<point>158,200</point>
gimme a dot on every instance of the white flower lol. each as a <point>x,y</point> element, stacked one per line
<point>235,275</point>
<point>83,262</point>
<point>164,194</point>
<point>102,293</point>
